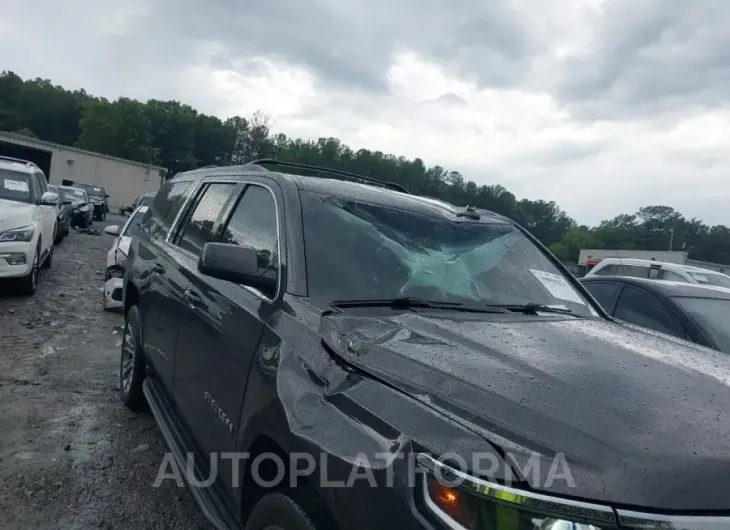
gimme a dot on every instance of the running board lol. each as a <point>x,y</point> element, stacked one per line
<point>209,499</point>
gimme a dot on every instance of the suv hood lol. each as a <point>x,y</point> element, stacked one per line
<point>12,209</point>
<point>641,419</point>
<point>14,214</point>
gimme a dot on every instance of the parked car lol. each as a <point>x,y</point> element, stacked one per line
<point>657,270</point>
<point>344,327</point>
<point>117,257</point>
<point>97,198</point>
<point>142,200</point>
<point>64,212</point>
<point>693,312</point>
<point>82,213</point>
<point>27,222</point>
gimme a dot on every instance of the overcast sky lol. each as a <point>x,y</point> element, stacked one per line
<point>601,106</point>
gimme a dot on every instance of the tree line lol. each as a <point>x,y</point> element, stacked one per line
<point>177,137</point>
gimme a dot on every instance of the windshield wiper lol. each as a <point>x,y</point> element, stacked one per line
<point>534,308</point>
<point>411,302</point>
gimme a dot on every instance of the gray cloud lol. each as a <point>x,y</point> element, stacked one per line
<point>563,152</point>
<point>449,98</point>
<point>650,57</point>
<point>351,42</point>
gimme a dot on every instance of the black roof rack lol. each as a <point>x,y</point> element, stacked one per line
<point>347,176</point>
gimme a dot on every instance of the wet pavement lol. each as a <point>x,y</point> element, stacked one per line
<point>71,455</point>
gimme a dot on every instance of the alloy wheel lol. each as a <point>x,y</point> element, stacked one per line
<point>129,349</point>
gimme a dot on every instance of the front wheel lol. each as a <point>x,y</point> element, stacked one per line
<point>29,283</point>
<point>49,259</point>
<point>132,365</point>
<point>281,511</point>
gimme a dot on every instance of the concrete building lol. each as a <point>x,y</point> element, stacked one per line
<point>123,180</point>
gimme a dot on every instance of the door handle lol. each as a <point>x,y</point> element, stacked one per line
<point>192,298</point>
<point>158,268</point>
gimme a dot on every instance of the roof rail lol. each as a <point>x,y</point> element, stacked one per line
<point>11,159</point>
<point>346,175</point>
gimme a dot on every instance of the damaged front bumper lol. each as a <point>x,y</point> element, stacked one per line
<point>113,288</point>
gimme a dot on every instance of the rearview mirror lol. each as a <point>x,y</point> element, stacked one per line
<point>112,230</point>
<point>237,264</point>
<point>49,199</point>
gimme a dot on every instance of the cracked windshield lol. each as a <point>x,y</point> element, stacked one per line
<point>390,265</point>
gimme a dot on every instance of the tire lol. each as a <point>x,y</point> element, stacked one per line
<point>29,283</point>
<point>132,365</point>
<point>49,260</point>
<point>281,510</point>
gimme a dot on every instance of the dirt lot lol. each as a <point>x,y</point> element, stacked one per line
<point>71,456</point>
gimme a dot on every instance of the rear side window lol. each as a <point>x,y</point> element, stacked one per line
<point>608,270</point>
<point>642,308</point>
<point>604,293</point>
<point>164,208</point>
<point>673,277</point>
<point>204,221</point>
<point>253,224</point>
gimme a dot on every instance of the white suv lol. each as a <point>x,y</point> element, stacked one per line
<point>658,270</point>
<point>27,222</point>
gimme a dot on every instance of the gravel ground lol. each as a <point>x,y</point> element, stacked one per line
<point>71,455</point>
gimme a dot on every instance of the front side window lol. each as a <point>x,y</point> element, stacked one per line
<point>712,315</point>
<point>164,208</point>
<point>357,251</point>
<point>639,307</point>
<point>604,293</point>
<point>253,224</point>
<point>15,186</point>
<point>42,183</point>
<point>204,221</point>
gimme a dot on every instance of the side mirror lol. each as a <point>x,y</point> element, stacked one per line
<point>236,264</point>
<point>112,230</point>
<point>49,199</point>
<point>106,195</point>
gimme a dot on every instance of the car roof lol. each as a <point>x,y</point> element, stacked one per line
<point>647,262</point>
<point>668,288</point>
<point>374,193</point>
<point>17,164</point>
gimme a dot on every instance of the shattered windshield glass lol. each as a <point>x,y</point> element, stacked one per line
<point>358,250</point>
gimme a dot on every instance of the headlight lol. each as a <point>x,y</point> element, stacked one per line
<point>76,210</point>
<point>84,209</point>
<point>24,233</point>
<point>469,503</point>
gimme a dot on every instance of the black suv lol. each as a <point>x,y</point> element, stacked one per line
<point>99,199</point>
<point>337,353</point>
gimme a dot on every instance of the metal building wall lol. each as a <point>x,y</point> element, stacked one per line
<point>124,180</point>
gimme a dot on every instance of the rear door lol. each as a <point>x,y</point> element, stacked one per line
<point>160,281</point>
<point>218,338</point>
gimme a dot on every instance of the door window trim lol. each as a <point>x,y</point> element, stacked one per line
<point>279,271</point>
<point>192,197</point>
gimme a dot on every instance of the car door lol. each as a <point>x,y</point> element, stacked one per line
<point>161,284</point>
<point>48,213</point>
<point>224,323</point>
<point>640,307</point>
